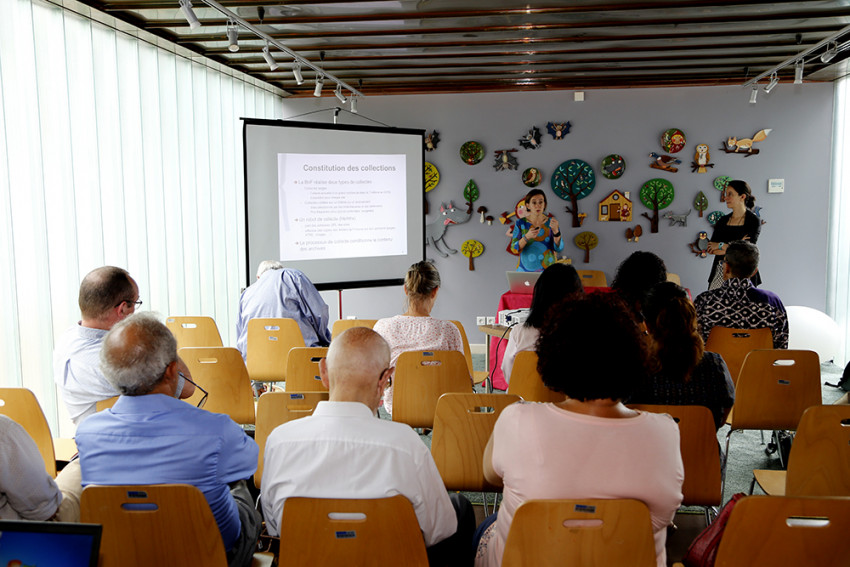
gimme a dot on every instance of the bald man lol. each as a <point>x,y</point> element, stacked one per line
<point>344,451</point>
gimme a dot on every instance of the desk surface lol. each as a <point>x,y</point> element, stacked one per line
<point>495,330</point>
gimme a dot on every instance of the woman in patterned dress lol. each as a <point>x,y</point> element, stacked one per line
<point>537,237</point>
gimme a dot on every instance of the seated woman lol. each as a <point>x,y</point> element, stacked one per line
<point>635,276</point>
<point>416,329</point>
<point>684,373</point>
<point>590,445</point>
<point>554,284</point>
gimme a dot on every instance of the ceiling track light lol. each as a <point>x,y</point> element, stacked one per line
<point>353,104</point>
<point>338,94</point>
<point>320,81</point>
<point>798,72</point>
<point>296,72</point>
<point>830,53</point>
<point>189,13</point>
<point>233,36</point>
<point>269,59</point>
<point>774,80</point>
<point>754,93</point>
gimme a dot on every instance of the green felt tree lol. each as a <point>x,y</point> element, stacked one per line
<point>701,203</point>
<point>470,193</point>
<point>656,194</point>
<point>573,180</point>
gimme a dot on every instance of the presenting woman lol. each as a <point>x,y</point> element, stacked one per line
<point>537,237</point>
<point>741,224</point>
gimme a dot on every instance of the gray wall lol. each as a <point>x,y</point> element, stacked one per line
<point>793,243</point>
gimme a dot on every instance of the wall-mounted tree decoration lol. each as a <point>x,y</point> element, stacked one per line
<point>613,166</point>
<point>663,162</point>
<point>713,217</point>
<point>656,194</point>
<point>672,140</point>
<point>471,249</point>
<point>744,146</point>
<point>431,140</point>
<point>471,152</point>
<point>573,180</point>
<point>720,184</point>
<point>586,241</point>
<point>701,203</point>
<point>531,141</point>
<point>470,193</point>
<point>634,233</point>
<point>505,160</point>
<point>432,178</point>
<point>558,129</point>
<point>701,159</point>
<point>700,245</point>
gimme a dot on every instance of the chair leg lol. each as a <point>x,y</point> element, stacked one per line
<point>725,461</point>
<point>752,485</point>
<point>710,514</point>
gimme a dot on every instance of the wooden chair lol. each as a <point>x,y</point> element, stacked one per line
<point>700,453</point>
<point>221,372</point>
<point>477,376</point>
<point>328,532</point>
<point>671,277</point>
<point>107,403</point>
<point>167,524</point>
<point>593,278</point>
<point>527,383</point>
<point>734,345</point>
<point>21,406</point>
<point>268,344</point>
<point>342,325</point>
<point>276,408</point>
<point>194,331</point>
<point>819,464</point>
<point>589,533</point>
<point>772,394</point>
<point>421,377</point>
<point>302,369</point>
<point>462,426</point>
<point>775,530</point>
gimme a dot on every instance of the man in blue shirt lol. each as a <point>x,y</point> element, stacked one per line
<point>150,436</point>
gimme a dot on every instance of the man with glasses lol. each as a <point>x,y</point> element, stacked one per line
<point>107,295</point>
<point>150,436</point>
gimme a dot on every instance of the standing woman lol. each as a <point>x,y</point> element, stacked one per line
<point>537,237</point>
<point>741,224</point>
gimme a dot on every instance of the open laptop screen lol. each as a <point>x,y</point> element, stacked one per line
<point>24,543</point>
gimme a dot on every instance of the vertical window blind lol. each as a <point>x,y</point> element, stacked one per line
<point>838,264</point>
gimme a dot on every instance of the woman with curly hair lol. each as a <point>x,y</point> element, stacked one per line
<point>590,445</point>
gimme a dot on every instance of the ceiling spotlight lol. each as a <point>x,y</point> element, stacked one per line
<point>189,13</point>
<point>338,94</point>
<point>296,71</point>
<point>269,59</point>
<point>830,53</point>
<point>353,105</point>
<point>233,36</point>
<point>798,72</point>
<point>754,93</point>
<point>320,80</point>
<point>774,80</point>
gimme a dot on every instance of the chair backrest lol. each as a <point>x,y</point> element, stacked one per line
<point>342,325</point>
<point>671,277</point>
<point>782,530</point>
<point>819,464</point>
<point>589,533</point>
<point>700,452</point>
<point>774,388</point>
<point>527,383</point>
<point>21,406</point>
<point>593,278</point>
<point>302,369</point>
<point>221,372</point>
<point>421,377</point>
<point>462,426</point>
<point>194,331</point>
<point>269,341</point>
<point>107,403</point>
<point>328,532</point>
<point>734,345</point>
<point>276,408</point>
<point>166,524</point>
<point>467,352</point>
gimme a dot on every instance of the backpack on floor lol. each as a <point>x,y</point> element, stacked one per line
<point>703,550</point>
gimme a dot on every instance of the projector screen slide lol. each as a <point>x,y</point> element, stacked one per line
<point>344,204</point>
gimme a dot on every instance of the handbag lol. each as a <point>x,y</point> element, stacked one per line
<point>703,550</point>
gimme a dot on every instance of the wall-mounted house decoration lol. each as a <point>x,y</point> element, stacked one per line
<point>616,207</point>
<point>681,220</point>
<point>573,180</point>
<point>700,203</point>
<point>672,140</point>
<point>505,160</point>
<point>532,177</point>
<point>701,159</point>
<point>472,249</point>
<point>700,245</point>
<point>720,184</point>
<point>558,129</point>
<point>586,241</point>
<point>744,146</point>
<point>663,162</point>
<point>431,140</point>
<point>432,178</point>
<point>531,141</point>
<point>471,152</point>
<point>634,233</point>
<point>613,166</point>
<point>656,194</point>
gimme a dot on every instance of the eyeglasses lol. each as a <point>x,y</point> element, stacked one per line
<point>189,380</point>
<point>136,304</point>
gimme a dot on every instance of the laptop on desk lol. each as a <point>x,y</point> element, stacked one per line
<point>55,544</point>
<point>522,282</point>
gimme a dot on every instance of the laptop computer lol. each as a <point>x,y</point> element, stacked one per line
<point>522,282</point>
<point>58,544</point>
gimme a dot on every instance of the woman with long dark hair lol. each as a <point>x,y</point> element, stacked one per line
<point>741,224</point>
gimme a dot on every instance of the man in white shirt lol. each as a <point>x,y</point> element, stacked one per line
<point>107,295</point>
<point>344,451</point>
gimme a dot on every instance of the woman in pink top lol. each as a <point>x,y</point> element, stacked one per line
<point>416,329</point>
<point>590,445</point>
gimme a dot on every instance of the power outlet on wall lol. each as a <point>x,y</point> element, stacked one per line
<point>491,320</point>
<point>481,320</point>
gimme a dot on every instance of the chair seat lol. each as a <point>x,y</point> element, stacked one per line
<point>772,482</point>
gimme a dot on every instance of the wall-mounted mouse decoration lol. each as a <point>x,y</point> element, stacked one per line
<point>558,129</point>
<point>531,141</point>
<point>744,146</point>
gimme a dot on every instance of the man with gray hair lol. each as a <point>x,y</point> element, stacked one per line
<point>107,295</point>
<point>150,436</point>
<point>281,292</point>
